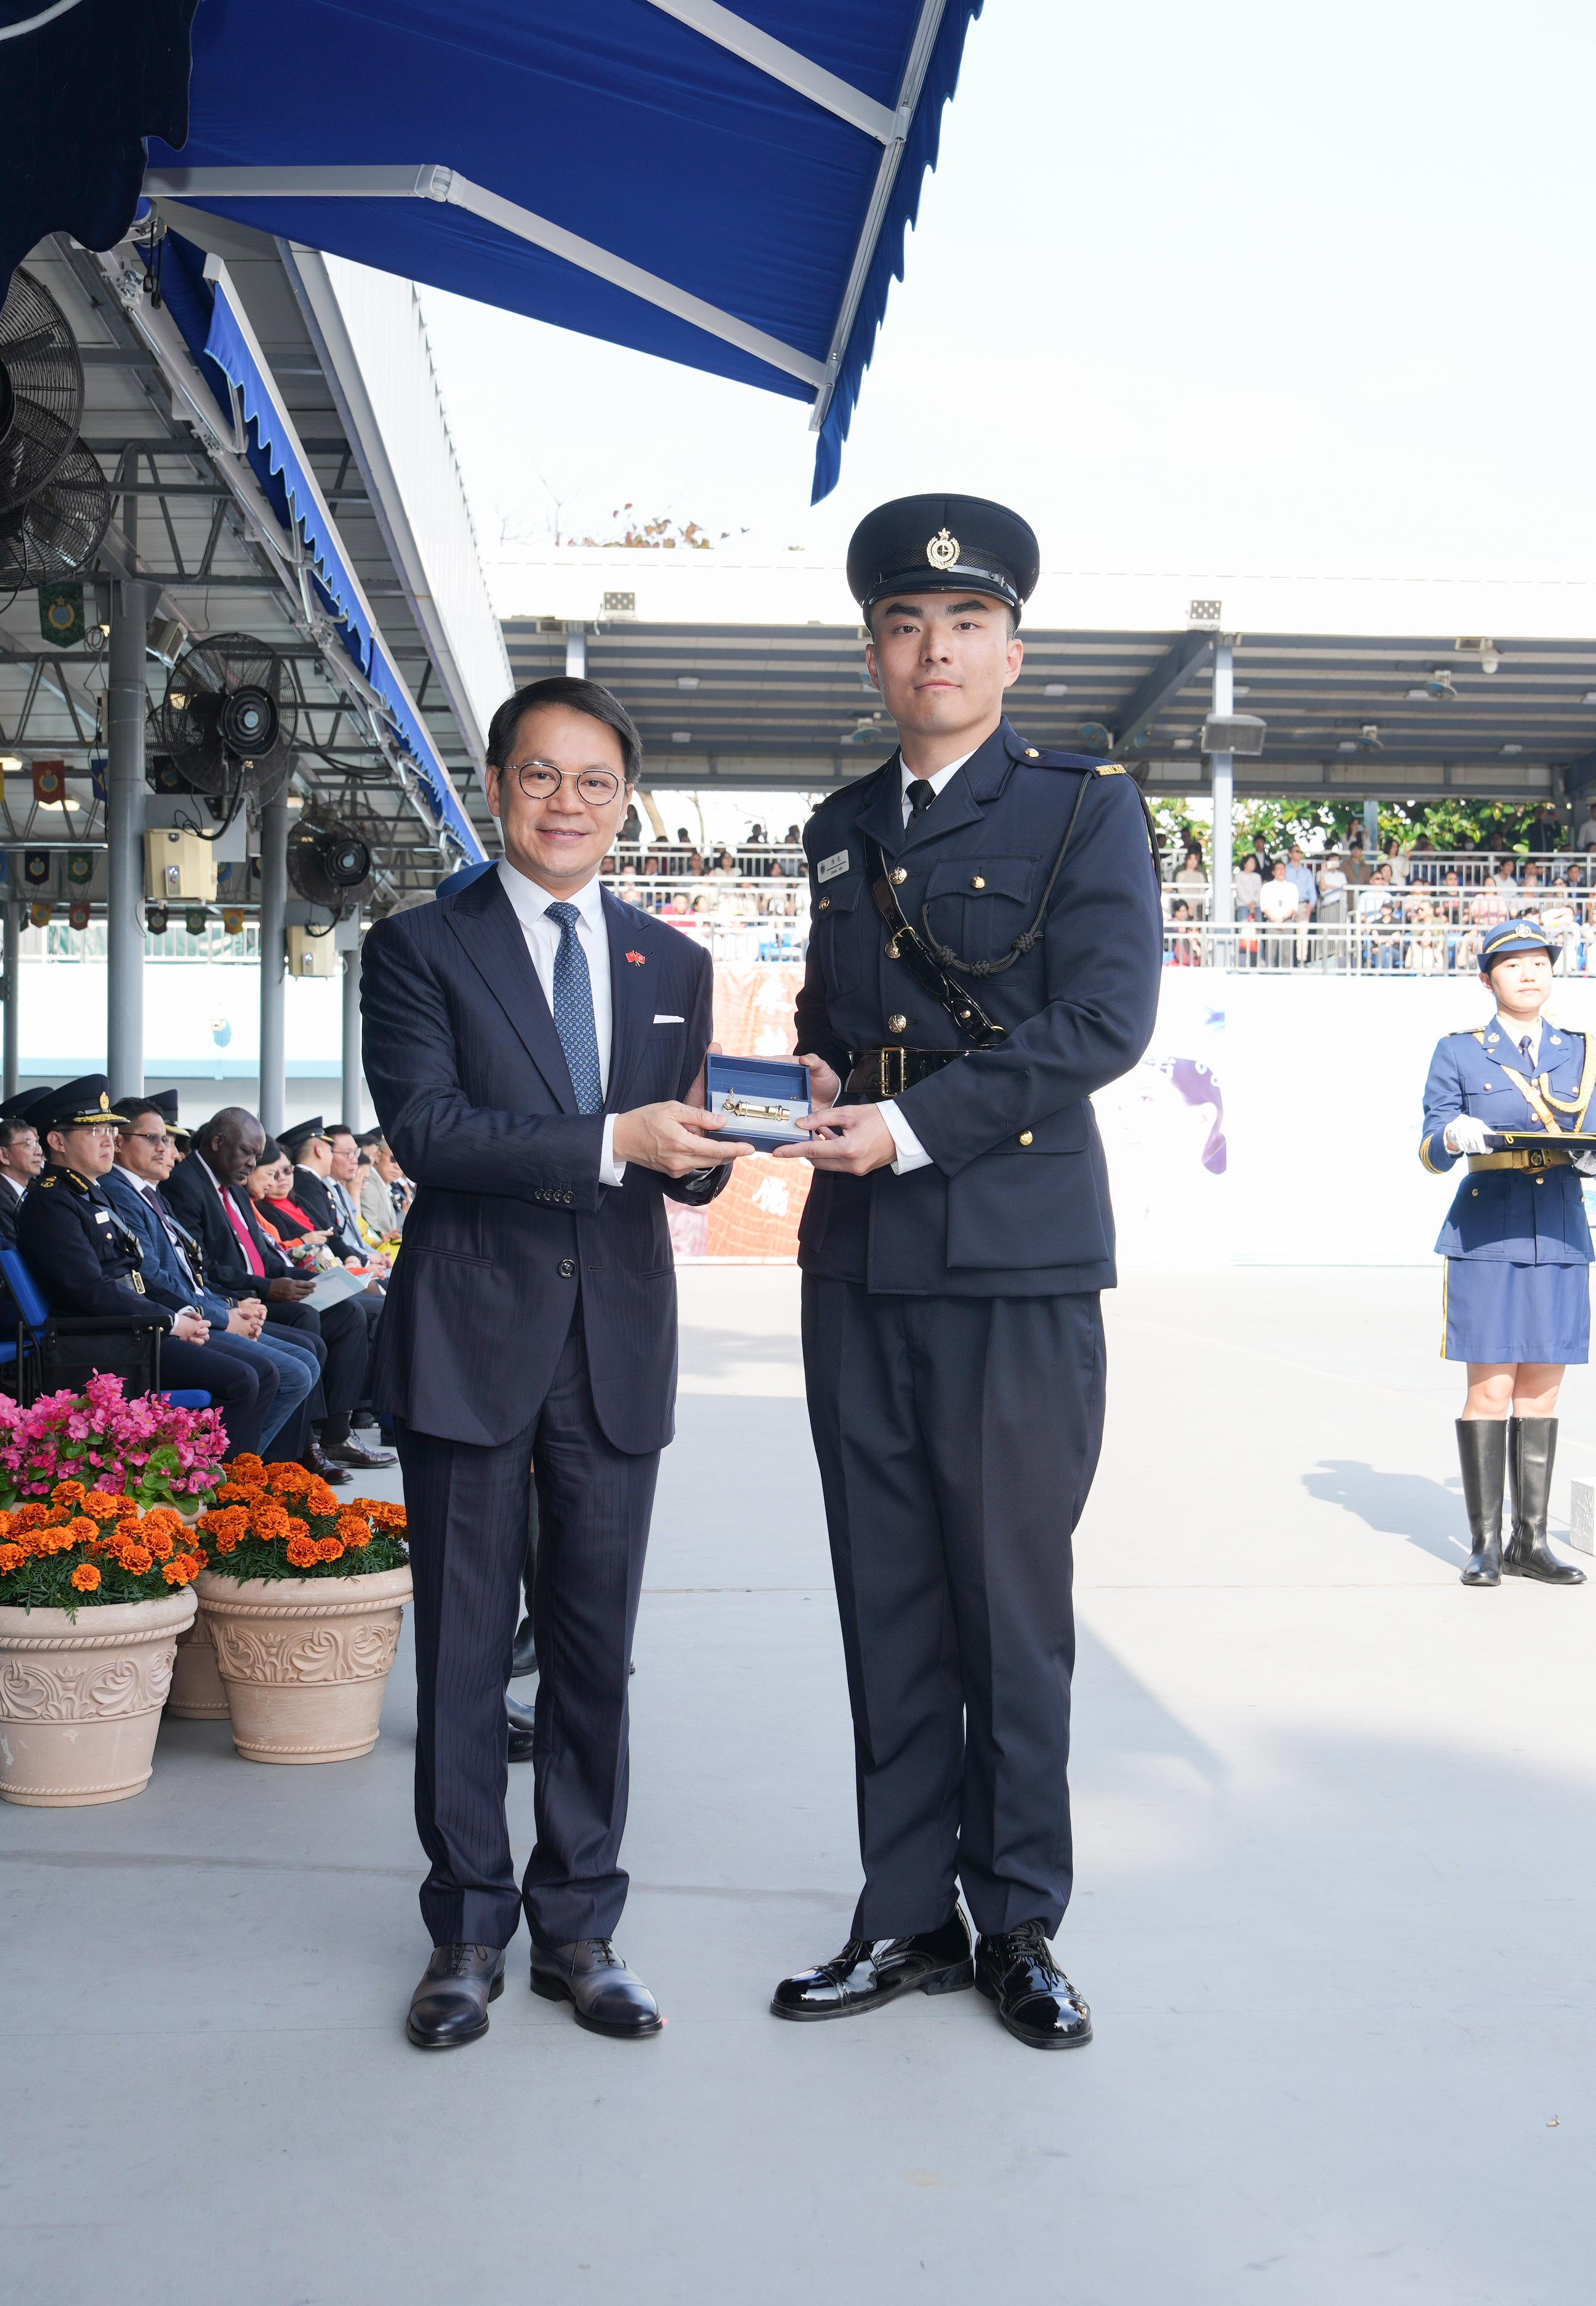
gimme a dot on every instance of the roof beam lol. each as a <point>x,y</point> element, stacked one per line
<point>1175,670</point>
<point>432,181</point>
<point>779,61</point>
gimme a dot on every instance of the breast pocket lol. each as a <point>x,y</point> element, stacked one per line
<point>980,905</point>
<point>840,933</point>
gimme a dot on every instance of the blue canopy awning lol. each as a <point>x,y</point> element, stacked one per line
<point>729,189</point>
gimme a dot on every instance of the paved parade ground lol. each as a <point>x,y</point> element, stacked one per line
<point>1336,1865</point>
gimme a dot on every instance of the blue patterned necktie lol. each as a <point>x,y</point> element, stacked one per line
<point>573,1011</point>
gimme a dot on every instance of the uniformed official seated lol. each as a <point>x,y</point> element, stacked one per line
<point>1515,1289</point>
<point>86,1259</point>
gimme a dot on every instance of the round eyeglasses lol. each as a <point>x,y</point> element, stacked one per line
<point>539,782</point>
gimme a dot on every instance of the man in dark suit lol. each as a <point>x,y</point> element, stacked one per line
<point>986,954</point>
<point>532,1046</point>
<point>22,1157</point>
<point>308,1147</point>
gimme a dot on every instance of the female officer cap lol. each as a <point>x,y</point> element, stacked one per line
<point>1515,936</point>
<point>944,544</point>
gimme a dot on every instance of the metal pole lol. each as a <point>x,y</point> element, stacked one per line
<point>575,651</point>
<point>1371,831</point>
<point>10,989</point>
<point>124,839</point>
<point>274,907</point>
<point>1222,906</point>
<point>351,1106</point>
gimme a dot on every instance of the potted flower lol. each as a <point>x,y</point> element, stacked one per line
<point>94,1592</point>
<point>304,1593</point>
<point>157,1455</point>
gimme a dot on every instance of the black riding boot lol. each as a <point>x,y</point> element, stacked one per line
<point>1532,1445</point>
<point>1482,1452</point>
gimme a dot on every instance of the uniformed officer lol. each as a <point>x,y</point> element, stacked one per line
<point>86,1259</point>
<point>984,954</point>
<point>1517,1286</point>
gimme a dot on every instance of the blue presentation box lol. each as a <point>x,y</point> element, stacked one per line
<point>777,1085</point>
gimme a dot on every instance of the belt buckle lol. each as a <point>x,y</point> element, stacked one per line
<point>893,1063</point>
<point>1537,1158</point>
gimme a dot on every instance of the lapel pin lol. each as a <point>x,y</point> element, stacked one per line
<point>637,959</point>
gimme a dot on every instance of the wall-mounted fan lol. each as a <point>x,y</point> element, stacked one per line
<point>41,390</point>
<point>229,718</point>
<point>59,528</point>
<point>328,862</point>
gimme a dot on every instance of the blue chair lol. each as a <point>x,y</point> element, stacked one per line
<point>187,1397</point>
<point>51,1350</point>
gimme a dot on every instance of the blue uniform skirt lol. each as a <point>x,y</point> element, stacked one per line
<point>1493,1312</point>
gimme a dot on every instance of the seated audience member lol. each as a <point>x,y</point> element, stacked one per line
<point>207,1194</point>
<point>86,1259</point>
<point>270,1187</point>
<point>343,1187</point>
<point>173,1266</point>
<point>385,1190</point>
<point>22,1157</point>
<point>308,1147</point>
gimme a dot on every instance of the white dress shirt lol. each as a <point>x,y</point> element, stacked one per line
<point>1514,1034</point>
<point>911,1153</point>
<point>148,1187</point>
<point>542,937</point>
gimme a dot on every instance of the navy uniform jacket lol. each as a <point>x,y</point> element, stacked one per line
<point>473,1091</point>
<point>77,1246</point>
<point>1015,1201</point>
<point>1519,1216</point>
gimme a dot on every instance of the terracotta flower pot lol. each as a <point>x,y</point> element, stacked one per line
<point>197,1692</point>
<point>80,1699</point>
<point>304,1661</point>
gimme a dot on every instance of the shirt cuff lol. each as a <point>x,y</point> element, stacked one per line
<point>610,1170</point>
<point>911,1153</point>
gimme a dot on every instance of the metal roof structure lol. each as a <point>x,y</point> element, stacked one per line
<point>1350,716</point>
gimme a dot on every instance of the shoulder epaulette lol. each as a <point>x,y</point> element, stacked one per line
<point>44,1183</point>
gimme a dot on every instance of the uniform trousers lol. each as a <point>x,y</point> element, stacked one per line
<point>343,1329</point>
<point>957,1438</point>
<point>467,1509</point>
<point>298,1369</point>
<point>244,1390</point>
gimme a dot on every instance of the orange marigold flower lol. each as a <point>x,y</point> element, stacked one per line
<point>100,1505</point>
<point>5,1524</point>
<point>248,1465</point>
<point>11,1557</point>
<point>183,1570</point>
<point>387,1517</point>
<point>287,1479</point>
<point>160,1542</point>
<point>319,1498</point>
<point>270,1521</point>
<point>330,1548</point>
<point>355,1529</point>
<point>166,1518</point>
<point>134,1558</point>
<point>53,1538</point>
<point>68,1493</point>
<point>85,1577</point>
<point>30,1515</point>
<point>303,1552</point>
<point>83,1530</point>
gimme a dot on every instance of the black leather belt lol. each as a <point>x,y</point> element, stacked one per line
<point>878,1073</point>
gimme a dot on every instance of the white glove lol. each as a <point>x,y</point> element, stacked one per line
<point>1585,1162</point>
<point>1466,1134</point>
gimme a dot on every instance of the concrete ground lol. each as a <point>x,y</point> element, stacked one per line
<point>1337,1866</point>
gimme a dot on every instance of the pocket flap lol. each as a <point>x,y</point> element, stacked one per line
<point>982,876</point>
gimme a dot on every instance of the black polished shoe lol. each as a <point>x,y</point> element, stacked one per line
<point>1034,2000</point>
<point>1532,1445</point>
<point>450,2004</point>
<point>523,1657</point>
<point>870,1971</point>
<point>363,1460</point>
<point>523,1721</point>
<point>315,1461</point>
<point>592,1976</point>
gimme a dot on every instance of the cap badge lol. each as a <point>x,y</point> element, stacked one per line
<point>105,1102</point>
<point>942,551</point>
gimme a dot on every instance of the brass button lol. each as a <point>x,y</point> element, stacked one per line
<point>825,904</point>
<point>896,1024</point>
<point>1025,1137</point>
<point>899,874</point>
<point>1475,1189</point>
<point>977,881</point>
<point>1031,753</point>
<point>1541,1180</point>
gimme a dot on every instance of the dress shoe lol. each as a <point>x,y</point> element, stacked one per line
<point>1034,2000</point>
<point>592,1976</point>
<point>523,1657</point>
<point>1532,1445</point>
<point>869,1971</point>
<point>365,1461</point>
<point>522,1719</point>
<point>1482,1454</point>
<point>450,2004</point>
<point>315,1462</point>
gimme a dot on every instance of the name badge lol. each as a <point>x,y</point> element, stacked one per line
<point>829,867</point>
<point>102,1217</point>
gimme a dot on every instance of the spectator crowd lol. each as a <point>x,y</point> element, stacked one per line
<point>262,1262</point>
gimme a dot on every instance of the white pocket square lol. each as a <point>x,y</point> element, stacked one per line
<point>670,1021</point>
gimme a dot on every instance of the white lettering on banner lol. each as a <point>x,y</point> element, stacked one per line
<point>829,867</point>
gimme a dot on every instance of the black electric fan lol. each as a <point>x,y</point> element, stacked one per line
<point>59,528</point>
<point>328,862</point>
<point>41,390</point>
<point>229,718</point>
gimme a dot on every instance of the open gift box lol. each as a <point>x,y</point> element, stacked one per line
<point>760,1096</point>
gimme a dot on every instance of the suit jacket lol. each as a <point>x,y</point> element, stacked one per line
<point>472,1089</point>
<point>195,1202</point>
<point>163,1278</point>
<point>1518,1216</point>
<point>10,1203</point>
<point>1015,1201</point>
<point>314,1195</point>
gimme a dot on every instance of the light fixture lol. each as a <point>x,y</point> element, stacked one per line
<point>681,735</point>
<point>1184,744</point>
<point>1055,689</point>
<point>1589,698</point>
<point>10,763</point>
<point>1488,658</point>
<point>686,680</point>
<point>1233,732</point>
<point>1512,749</point>
<point>1347,746</point>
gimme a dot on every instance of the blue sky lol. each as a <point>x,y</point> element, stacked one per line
<point>1296,288</point>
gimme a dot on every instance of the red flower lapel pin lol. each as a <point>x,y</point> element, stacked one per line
<point>637,959</point>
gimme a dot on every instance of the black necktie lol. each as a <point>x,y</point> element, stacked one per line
<point>1523,1044</point>
<point>920,798</point>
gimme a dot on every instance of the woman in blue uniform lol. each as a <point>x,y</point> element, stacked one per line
<point>1517,1297</point>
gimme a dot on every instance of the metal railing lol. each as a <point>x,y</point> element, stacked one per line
<point>1419,947</point>
<point>756,860</point>
<point>1538,870</point>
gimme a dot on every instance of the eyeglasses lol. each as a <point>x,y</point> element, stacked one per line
<point>540,782</point>
<point>149,1136</point>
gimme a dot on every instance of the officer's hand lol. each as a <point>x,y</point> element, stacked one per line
<point>852,1137</point>
<point>824,1086</point>
<point>675,1139</point>
<point>288,1289</point>
<point>191,1327</point>
<point>1466,1134</point>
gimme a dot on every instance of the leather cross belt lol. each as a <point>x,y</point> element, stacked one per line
<point>878,1073</point>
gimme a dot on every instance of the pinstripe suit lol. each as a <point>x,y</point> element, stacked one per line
<point>532,1311</point>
